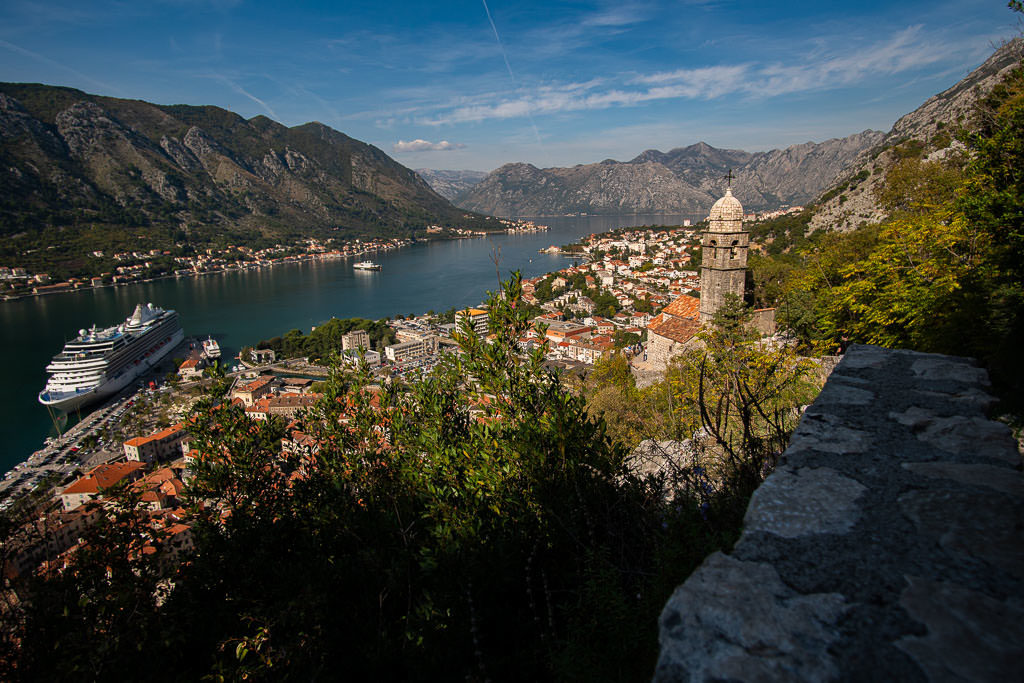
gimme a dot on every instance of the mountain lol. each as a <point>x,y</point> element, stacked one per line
<point>685,180</point>
<point>927,132</point>
<point>450,184</point>
<point>70,159</point>
<point>841,174</point>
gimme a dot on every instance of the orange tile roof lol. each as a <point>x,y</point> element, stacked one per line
<point>104,476</point>
<point>257,384</point>
<point>158,436</point>
<point>685,306</point>
<point>260,406</point>
<point>677,329</point>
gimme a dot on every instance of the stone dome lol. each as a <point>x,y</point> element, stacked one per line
<point>728,208</point>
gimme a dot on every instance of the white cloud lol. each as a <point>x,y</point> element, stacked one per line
<point>903,51</point>
<point>425,146</point>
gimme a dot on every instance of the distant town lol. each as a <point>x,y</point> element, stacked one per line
<point>145,265</point>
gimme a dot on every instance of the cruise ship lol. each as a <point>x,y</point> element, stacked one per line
<point>367,265</point>
<point>100,362</point>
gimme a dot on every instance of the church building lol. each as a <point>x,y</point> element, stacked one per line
<point>723,271</point>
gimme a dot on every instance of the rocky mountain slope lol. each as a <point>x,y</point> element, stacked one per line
<point>926,132</point>
<point>70,159</point>
<point>686,180</point>
<point>450,184</point>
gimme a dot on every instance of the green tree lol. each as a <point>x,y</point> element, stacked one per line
<point>742,397</point>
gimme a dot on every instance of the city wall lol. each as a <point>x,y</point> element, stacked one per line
<point>887,545</point>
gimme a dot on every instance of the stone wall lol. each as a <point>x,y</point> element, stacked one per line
<point>887,545</point>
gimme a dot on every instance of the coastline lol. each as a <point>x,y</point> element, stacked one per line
<point>337,301</point>
<point>248,265</point>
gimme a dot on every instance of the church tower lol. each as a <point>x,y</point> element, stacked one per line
<point>724,256</point>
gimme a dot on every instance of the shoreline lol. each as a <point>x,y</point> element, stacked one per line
<point>249,265</point>
<point>68,438</point>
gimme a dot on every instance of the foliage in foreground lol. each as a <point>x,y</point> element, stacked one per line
<point>478,525</point>
<point>735,395</point>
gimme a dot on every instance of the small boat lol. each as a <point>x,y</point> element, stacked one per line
<point>211,349</point>
<point>367,265</point>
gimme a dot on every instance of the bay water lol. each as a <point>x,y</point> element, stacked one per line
<point>242,307</point>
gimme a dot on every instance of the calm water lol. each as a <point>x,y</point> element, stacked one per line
<point>241,308</point>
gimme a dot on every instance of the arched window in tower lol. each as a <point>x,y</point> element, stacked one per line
<point>733,249</point>
<point>714,249</point>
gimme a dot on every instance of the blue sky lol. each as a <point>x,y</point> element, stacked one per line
<point>473,85</point>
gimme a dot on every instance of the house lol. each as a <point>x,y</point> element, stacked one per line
<point>167,444</point>
<point>414,349</point>
<point>603,325</point>
<point>160,489</point>
<point>672,330</point>
<point>356,339</point>
<point>561,330</point>
<point>288,405</point>
<point>253,391</point>
<point>263,356</point>
<point>589,350</point>
<point>477,317</point>
<point>99,478</point>
<point>191,368</point>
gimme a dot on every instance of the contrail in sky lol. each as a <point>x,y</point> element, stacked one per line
<point>49,62</point>
<point>511,75</point>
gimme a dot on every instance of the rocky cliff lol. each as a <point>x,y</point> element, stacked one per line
<point>68,158</point>
<point>928,131</point>
<point>841,174</point>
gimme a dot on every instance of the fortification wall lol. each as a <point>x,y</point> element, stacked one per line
<point>887,545</point>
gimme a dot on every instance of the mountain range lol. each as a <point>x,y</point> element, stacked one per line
<point>450,184</point>
<point>687,180</point>
<point>74,159</point>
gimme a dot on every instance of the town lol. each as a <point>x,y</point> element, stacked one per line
<point>600,304</point>
<point>126,267</point>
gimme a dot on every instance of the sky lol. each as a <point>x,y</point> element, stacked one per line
<point>472,85</point>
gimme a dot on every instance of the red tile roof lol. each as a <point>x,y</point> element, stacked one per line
<point>158,436</point>
<point>677,329</point>
<point>685,306</point>
<point>104,476</point>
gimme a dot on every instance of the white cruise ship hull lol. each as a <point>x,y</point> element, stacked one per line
<point>68,399</point>
<point>69,402</point>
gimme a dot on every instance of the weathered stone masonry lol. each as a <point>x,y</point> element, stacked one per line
<point>887,545</point>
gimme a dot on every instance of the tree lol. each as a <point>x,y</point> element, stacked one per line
<point>477,522</point>
<point>741,396</point>
<point>622,339</point>
<point>917,187</point>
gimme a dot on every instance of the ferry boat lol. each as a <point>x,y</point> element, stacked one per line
<point>98,363</point>
<point>367,265</point>
<point>211,349</point>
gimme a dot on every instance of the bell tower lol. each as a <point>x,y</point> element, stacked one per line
<point>724,255</point>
